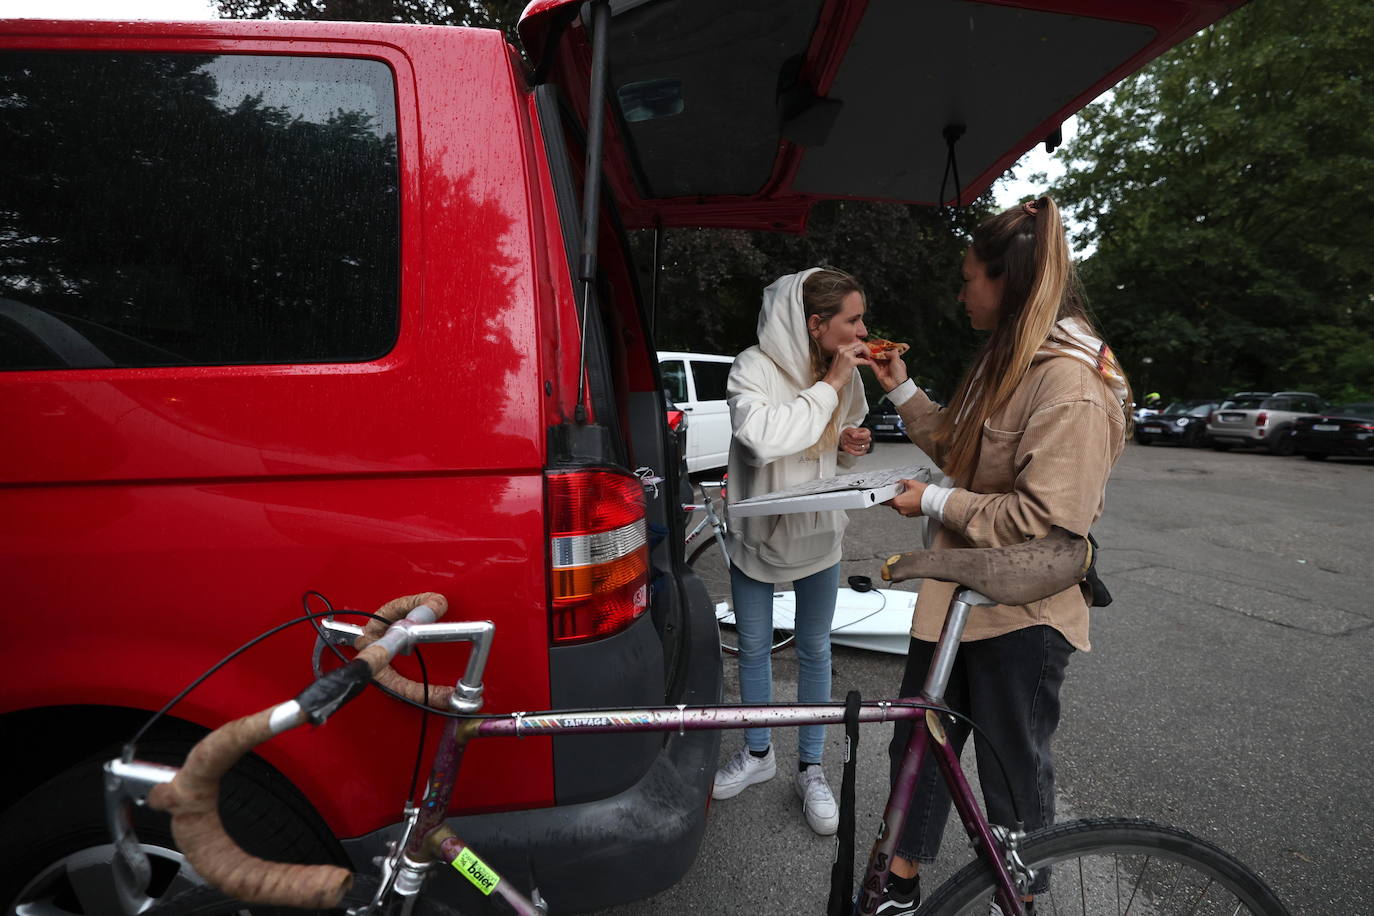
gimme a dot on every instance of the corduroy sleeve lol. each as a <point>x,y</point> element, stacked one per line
<point>920,415</point>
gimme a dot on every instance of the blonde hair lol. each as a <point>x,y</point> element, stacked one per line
<point>1027,246</point>
<point>823,295</point>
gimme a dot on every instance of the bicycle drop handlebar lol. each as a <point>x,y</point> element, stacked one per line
<point>192,796</point>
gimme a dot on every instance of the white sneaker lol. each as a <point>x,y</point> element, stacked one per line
<point>818,804</point>
<point>742,771</point>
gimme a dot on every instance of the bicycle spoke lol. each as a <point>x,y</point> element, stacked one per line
<point>1116,880</point>
<point>1198,902</point>
<point>1136,887</point>
<point>1082,888</point>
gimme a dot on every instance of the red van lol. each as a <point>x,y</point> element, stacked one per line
<point>295,306</point>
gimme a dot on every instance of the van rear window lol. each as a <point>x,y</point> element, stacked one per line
<point>196,209</point>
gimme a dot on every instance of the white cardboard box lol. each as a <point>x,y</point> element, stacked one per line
<point>844,491</point>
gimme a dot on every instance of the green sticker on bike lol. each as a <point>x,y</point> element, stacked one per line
<point>483,876</point>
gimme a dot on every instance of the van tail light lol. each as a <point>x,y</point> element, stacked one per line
<point>675,418</point>
<point>598,553</point>
<point>1261,418</point>
<point>1367,427</point>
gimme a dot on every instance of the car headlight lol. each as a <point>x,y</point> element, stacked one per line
<point>1181,422</point>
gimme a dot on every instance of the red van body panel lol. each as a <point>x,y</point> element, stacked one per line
<point>173,488</point>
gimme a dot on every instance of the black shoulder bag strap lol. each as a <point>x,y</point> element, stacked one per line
<point>842,872</point>
<point>1094,589</point>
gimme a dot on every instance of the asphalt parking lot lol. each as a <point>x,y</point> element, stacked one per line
<point>1226,691</point>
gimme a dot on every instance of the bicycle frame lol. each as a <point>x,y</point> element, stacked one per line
<point>426,840</point>
<point>430,839</point>
<point>714,519</point>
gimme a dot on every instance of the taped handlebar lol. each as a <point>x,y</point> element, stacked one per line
<point>388,677</point>
<point>192,797</point>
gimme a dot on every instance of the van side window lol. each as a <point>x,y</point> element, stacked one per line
<point>169,209</point>
<point>675,380</point>
<point>710,379</point>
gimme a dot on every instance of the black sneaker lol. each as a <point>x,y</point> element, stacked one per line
<point>895,903</point>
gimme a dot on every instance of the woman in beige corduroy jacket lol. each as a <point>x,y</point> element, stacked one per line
<point>1027,443</point>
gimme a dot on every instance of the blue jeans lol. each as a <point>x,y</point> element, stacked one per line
<point>754,619</point>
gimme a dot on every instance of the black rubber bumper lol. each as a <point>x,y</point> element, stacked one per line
<point>594,854</point>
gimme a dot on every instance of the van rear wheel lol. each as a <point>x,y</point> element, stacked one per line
<point>58,852</point>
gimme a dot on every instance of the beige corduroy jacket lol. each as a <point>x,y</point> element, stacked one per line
<point>1044,461</point>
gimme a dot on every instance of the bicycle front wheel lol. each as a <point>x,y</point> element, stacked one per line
<point>709,563</point>
<point>1118,866</point>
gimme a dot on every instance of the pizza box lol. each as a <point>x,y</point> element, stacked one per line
<point>844,491</point>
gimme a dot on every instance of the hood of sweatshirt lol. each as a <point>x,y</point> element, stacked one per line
<point>1070,338</point>
<point>783,336</point>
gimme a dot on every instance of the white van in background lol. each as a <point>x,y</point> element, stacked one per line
<point>696,381</point>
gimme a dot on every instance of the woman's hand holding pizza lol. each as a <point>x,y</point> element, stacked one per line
<point>888,365</point>
<point>844,362</point>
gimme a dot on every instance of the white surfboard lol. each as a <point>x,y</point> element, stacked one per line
<point>878,620</point>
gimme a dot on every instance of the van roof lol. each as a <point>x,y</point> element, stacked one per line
<point>743,113</point>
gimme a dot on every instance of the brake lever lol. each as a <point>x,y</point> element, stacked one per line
<point>127,783</point>
<point>331,632</point>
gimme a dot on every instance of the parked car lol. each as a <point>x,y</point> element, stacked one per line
<point>884,421</point>
<point>1182,422</point>
<point>347,334</point>
<point>1260,419</point>
<point>696,383</point>
<point>1347,429</point>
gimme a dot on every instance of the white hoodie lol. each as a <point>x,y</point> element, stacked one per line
<point>779,412</point>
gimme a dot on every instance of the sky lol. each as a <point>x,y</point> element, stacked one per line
<point>106,9</point>
<point>1007,192</point>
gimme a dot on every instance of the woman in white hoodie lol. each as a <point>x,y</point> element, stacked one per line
<point>796,402</point>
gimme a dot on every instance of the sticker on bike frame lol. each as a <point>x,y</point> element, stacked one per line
<point>585,721</point>
<point>483,876</point>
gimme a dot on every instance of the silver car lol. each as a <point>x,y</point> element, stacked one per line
<point>1260,418</point>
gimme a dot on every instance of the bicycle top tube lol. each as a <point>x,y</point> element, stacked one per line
<point>691,718</point>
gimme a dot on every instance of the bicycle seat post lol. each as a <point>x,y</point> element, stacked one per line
<point>937,678</point>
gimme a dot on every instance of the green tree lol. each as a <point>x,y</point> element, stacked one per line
<point>1226,189</point>
<point>907,257</point>
<point>495,14</point>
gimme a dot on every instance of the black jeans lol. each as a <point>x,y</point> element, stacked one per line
<point>1009,685</point>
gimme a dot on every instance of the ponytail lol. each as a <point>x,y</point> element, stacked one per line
<point>1027,246</point>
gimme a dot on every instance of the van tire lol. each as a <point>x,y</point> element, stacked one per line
<point>60,828</point>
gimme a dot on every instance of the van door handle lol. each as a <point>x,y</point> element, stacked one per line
<point>684,409</point>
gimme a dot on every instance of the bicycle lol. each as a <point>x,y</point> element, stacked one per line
<point>1099,865</point>
<point>709,556</point>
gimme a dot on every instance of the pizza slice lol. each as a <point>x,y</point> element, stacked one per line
<point>878,347</point>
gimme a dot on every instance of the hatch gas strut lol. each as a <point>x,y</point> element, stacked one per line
<point>591,187</point>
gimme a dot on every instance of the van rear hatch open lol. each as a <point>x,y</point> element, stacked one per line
<point>742,115</point>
